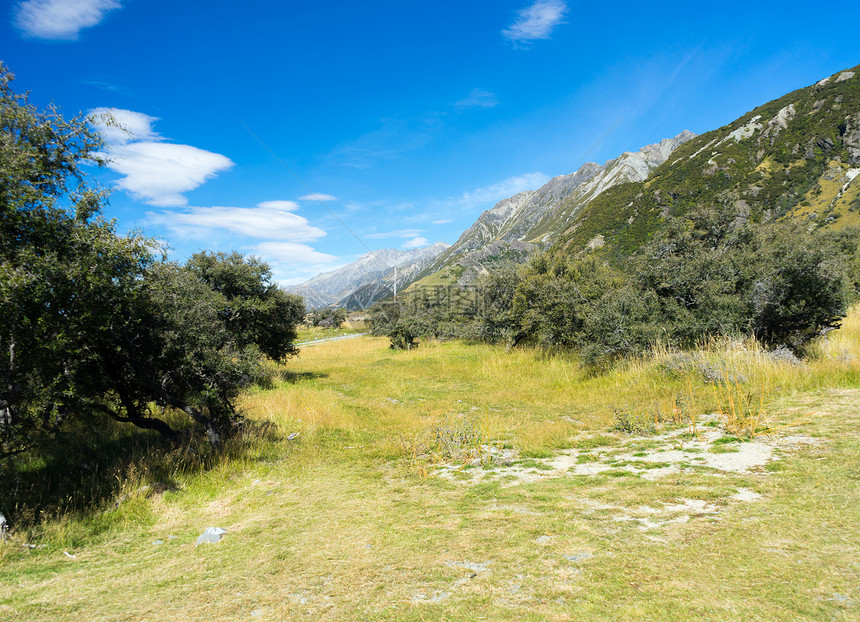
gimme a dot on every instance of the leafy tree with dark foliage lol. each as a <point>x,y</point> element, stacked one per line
<point>497,319</point>
<point>328,317</point>
<point>712,272</point>
<point>709,272</point>
<point>256,311</point>
<point>93,324</point>
<point>804,284</point>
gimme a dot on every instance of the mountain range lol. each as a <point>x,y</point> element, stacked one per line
<point>794,157</point>
<point>530,221</point>
<point>369,274</point>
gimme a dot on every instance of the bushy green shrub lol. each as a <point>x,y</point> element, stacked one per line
<point>96,325</point>
<point>710,272</point>
<point>328,317</point>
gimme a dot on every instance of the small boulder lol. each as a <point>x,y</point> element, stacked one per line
<point>211,535</point>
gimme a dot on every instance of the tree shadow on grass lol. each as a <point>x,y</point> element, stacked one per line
<point>100,465</point>
<point>294,377</point>
<point>270,381</point>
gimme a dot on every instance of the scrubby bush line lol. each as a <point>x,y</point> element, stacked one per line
<point>327,317</point>
<point>712,272</point>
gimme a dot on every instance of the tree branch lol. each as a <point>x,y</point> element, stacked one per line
<point>147,423</point>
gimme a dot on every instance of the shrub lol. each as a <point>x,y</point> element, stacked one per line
<point>328,317</point>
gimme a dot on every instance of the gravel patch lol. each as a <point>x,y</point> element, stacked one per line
<point>673,453</point>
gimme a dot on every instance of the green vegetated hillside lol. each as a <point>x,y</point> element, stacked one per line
<point>796,156</point>
<point>529,222</point>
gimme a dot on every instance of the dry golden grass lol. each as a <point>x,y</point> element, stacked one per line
<point>347,522</point>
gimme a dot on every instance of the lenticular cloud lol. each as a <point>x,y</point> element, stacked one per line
<point>153,171</point>
<point>536,21</point>
<point>60,19</point>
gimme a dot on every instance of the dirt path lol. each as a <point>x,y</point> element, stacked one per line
<point>305,344</point>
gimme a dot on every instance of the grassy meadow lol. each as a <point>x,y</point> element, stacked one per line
<point>461,481</point>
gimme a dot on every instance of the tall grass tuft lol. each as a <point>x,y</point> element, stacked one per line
<point>741,409</point>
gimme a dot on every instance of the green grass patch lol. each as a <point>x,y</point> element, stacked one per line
<point>348,521</point>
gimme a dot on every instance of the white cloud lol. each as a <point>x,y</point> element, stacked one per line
<point>294,263</point>
<point>291,253</point>
<point>478,98</point>
<point>60,19</point>
<point>284,206</point>
<point>416,242</point>
<point>119,127</point>
<point>444,221</point>
<point>536,21</point>
<point>155,172</point>
<point>267,223</point>
<point>158,173</point>
<point>400,233</point>
<point>316,196</point>
<point>270,231</point>
<point>487,196</point>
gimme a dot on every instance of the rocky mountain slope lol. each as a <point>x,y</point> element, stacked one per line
<point>529,221</point>
<point>337,287</point>
<point>797,156</point>
<point>383,287</point>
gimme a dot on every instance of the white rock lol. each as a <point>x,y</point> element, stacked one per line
<point>780,121</point>
<point>744,131</point>
<point>211,535</point>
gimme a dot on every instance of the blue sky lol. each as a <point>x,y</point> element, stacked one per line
<point>282,128</point>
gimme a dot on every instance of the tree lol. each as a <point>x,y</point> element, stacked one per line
<point>51,234</point>
<point>804,284</point>
<point>708,272</point>
<point>328,317</point>
<point>696,272</point>
<point>256,311</point>
<point>557,296</point>
<point>93,324</point>
<point>712,272</point>
<point>496,317</point>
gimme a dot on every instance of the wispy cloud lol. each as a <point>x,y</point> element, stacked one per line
<point>442,211</point>
<point>478,98</point>
<point>400,233</point>
<point>60,19</point>
<point>536,21</point>
<point>316,196</point>
<point>392,140</point>
<point>111,87</point>
<point>293,263</point>
<point>291,253</point>
<point>284,206</point>
<point>154,171</point>
<point>266,221</point>
<point>271,231</point>
<point>413,237</point>
<point>416,242</point>
<point>486,197</point>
